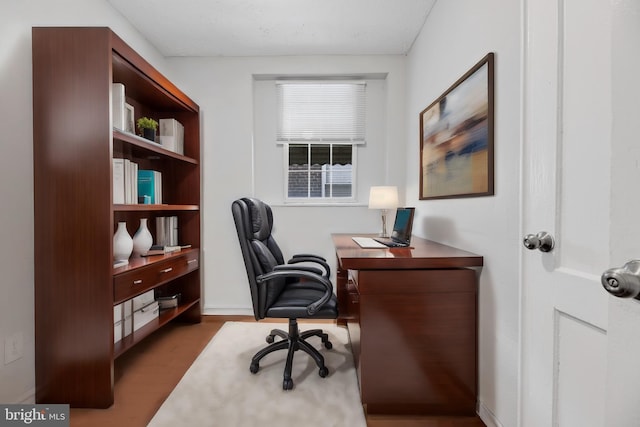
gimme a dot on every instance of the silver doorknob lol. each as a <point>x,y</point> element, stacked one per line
<point>623,282</point>
<point>543,241</point>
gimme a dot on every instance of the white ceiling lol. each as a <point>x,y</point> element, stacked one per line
<point>277,27</point>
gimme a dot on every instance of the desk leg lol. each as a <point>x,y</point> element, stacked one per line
<point>342,279</point>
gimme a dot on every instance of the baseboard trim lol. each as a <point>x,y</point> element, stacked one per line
<point>228,311</point>
<point>487,417</point>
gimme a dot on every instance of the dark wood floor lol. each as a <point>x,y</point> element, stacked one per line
<point>145,376</point>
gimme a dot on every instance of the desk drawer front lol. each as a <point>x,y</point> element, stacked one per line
<point>416,281</point>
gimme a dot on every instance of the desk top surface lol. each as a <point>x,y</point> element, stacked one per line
<point>422,254</point>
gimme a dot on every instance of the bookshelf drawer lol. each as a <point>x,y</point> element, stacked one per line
<point>132,283</point>
<point>180,266</point>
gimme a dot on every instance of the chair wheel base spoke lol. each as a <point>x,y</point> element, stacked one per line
<point>287,384</point>
<point>254,368</point>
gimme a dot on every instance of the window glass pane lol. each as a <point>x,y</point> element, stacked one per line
<point>298,154</point>
<point>298,185</point>
<point>320,154</point>
<point>342,154</point>
<point>298,171</point>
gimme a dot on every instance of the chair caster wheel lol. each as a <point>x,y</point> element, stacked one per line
<point>328,345</point>
<point>287,384</point>
<point>254,368</point>
<point>270,339</point>
<point>323,372</point>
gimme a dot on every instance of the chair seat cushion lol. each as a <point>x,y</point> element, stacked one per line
<point>293,302</point>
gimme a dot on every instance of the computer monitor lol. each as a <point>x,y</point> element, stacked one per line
<point>403,225</point>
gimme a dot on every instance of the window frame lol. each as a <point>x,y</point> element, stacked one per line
<point>286,143</point>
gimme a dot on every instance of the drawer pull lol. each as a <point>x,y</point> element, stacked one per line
<point>137,282</point>
<point>166,270</point>
<point>191,261</point>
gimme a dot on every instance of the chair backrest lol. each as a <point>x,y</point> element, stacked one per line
<point>254,222</point>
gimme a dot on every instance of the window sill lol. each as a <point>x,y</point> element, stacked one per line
<point>319,204</point>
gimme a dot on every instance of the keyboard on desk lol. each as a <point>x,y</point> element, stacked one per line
<point>378,242</point>
<point>390,242</point>
<point>368,243</point>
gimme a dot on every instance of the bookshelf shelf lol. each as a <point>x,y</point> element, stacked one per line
<point>145,208</point>
<point>143,148</point>
<point>75,142</point>
<point>165,317</point>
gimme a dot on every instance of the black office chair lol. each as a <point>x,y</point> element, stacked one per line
<point>300,289</point>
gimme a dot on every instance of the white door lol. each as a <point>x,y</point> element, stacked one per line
<point>581,151</point>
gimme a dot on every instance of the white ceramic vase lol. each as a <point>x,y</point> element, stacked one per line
<point>122,243</point>
<point>143,239</point>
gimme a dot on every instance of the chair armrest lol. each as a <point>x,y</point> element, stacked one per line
<point>313,307</point>
<point>308,268</point>
<point>312,258</point>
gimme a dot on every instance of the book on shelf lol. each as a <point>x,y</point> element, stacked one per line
<point>130,181</point>
<point>118,181</point>
<point>167,230</point>
<point>172,135</point>
<point>118,106</point>
<point>150,186</point>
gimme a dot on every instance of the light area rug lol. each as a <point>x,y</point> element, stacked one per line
<point>218,390</point>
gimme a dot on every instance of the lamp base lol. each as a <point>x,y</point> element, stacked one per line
<point>384,224</point>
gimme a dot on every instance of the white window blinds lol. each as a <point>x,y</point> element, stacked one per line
<point>321,112</point>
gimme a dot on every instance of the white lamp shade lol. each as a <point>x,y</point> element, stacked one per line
<point>383,197</point>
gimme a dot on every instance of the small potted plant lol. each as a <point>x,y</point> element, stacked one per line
<point>148,127</point>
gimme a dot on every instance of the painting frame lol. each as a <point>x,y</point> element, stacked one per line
<point>457,137</point>
<point>129,122</point>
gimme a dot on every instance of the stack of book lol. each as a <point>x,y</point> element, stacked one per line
<point>132,185</point>
<point>167,230</point>
<point>172,135</point>
<point>125,181</point>
<point>149,186</point>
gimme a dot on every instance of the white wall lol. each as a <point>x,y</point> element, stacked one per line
<point>223,87</point>
<point>456,35</point>
<point>17,379</point>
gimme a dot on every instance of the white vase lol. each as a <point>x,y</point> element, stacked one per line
<point>122,243</point>
<point>143,239</point>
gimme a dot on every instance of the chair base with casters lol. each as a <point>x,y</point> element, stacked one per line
<point>293,341</point>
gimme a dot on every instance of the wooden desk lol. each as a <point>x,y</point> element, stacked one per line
<point>412,320</point>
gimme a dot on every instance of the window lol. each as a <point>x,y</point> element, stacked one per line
<point>320,124</point>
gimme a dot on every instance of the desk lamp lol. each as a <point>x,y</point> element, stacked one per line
<point>383,197</point>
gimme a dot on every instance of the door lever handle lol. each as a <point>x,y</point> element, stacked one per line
<point>623,282</point>
<point>543,241</point>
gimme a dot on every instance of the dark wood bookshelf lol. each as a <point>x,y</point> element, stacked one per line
<point>76,284</point>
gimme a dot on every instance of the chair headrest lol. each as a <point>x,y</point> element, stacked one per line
<point>261,218</point>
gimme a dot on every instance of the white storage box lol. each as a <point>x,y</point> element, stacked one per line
<point>117,331</point>
<point>127,318</point>
<point>145,315</point>
<point>117,313</point>
<point>143,300</point>
<point>172,135</point>
<point>117,322</point>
